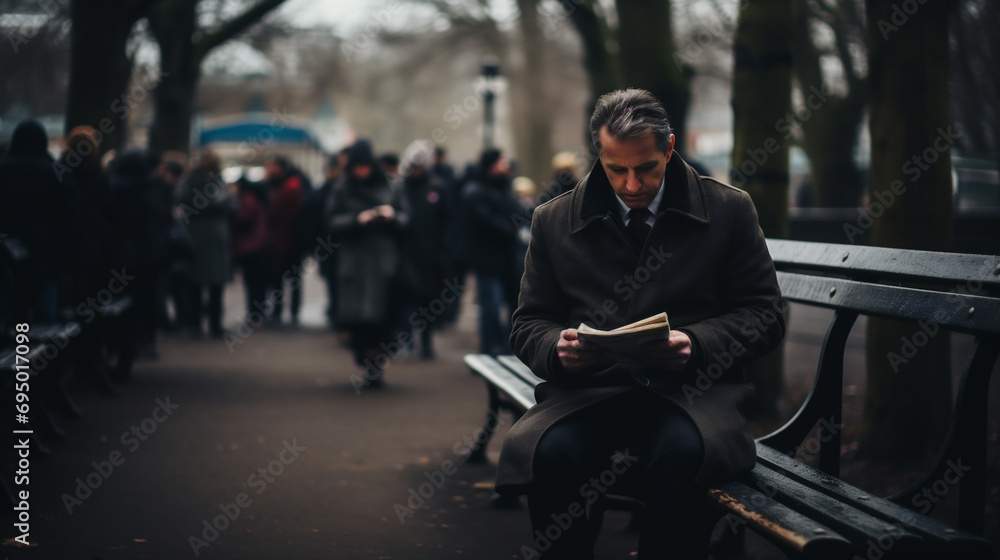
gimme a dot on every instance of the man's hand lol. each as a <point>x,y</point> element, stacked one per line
<point>578,356</point>
<point>671,354</point>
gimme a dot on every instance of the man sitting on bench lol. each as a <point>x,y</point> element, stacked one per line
<point>640,235</point>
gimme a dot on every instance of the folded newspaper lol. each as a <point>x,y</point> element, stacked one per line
<point>628,339</point>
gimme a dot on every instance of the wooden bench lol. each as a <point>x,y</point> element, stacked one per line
<point>809,512</point>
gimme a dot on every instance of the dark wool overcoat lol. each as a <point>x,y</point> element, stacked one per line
<point>370,255</point>
<point>705,263</point>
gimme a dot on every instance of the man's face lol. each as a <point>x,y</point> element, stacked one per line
<point>635,167</point>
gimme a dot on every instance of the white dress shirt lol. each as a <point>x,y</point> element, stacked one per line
<point>653,206</point>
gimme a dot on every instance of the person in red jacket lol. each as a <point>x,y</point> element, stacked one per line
<point>285,255</point>
<point>250,237</point>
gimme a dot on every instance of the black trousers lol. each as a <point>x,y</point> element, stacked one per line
<point>255,273</point>
<point>286,268</point>
<point>213,308</point>
<point>585,455</point>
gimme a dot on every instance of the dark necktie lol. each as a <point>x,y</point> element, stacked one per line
<point>637,226</point>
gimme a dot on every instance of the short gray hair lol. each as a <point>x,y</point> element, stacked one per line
<point>630,114</point>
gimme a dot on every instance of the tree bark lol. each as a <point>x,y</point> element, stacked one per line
<point>646,42</point>
<point>907,405</point>
<point>183,46</point>
<point>100,68</point>
<point>602,65</point>
<point>173,25</point>
<point>829,140</point>
<point>534,137</point>
<point>830,123</point>
<point>762,96</point>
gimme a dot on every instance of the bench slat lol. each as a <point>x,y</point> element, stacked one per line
<point>520,369</point>
<point>859,527</point>
<point>786,527</point>
<point>946,268</point>
<point>117,307</point>
<point>503,379</point>
<point>55,330</point>
<point>8,358</point>
<point>949,309</point>
<point>969,545</point>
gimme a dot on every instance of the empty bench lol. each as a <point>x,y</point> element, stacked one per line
<point>809,512</point>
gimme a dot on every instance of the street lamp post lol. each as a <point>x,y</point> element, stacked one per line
<point>491,69</point>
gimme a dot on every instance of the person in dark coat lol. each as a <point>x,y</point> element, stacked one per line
<point>389,163</point>
<point>328,267</point>
<point>210,206</point>
<point>424,248</point>
<point>454,249</point>
<point>490,210</point>
<point>143,243</point>
<point>640,235</point>
<point>165,182</point>
<point>40,209</point>
<point>368,215</point>
<point>80,164</point>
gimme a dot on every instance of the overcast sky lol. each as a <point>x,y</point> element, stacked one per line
<point>342,15</point>
<point>348,16</point>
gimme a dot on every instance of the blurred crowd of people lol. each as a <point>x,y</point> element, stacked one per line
<point>407,231</point>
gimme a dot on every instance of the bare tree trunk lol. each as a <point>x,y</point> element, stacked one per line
<point>535,135</point>
<point>907,404</point>
<point>100,68</point>
<point>762,96</point>
<point>603,66</point>
<point>646,42</point>
<point>182,48</point>
<point>830,137</point>
<point>830,123</point>
<point>173,24</point>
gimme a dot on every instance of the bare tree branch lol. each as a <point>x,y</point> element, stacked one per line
<point>841,36</point>
<point>234,27</point>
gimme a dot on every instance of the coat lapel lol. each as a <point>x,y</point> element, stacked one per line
<point>593,198</point>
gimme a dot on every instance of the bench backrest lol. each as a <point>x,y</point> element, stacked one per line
<point>956,291</point>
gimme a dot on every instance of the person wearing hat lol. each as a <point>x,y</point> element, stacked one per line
<point>368,216</point>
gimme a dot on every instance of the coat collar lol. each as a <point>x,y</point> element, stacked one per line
<point>593,197</point>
